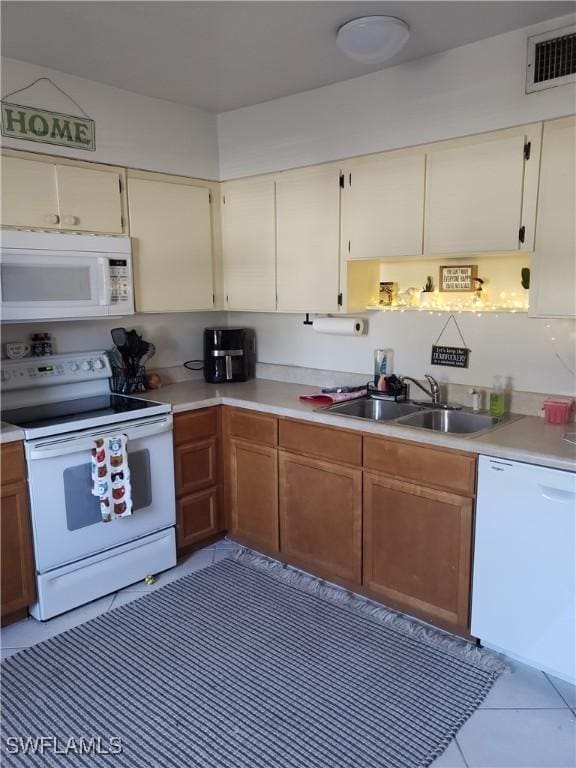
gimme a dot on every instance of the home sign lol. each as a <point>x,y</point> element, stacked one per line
<point>30,124</point>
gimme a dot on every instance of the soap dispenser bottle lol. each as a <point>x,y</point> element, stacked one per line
<point>497,398</point>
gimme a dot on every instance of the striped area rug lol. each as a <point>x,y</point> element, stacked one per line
<point>245,664</point>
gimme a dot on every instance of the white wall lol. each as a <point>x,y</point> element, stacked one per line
<point>131,130</point>
<point>177,336</point>
<point>478,87</point>
<point>502,344</point>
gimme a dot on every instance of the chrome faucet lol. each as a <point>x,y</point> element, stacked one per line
<point>434,391</point>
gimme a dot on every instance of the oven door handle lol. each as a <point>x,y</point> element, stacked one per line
<point>65,444</point>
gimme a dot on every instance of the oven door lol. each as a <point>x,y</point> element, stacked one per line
<point>47,285</point>
<point>66,516</point>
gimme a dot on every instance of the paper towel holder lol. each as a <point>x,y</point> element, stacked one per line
<point>307,321</point>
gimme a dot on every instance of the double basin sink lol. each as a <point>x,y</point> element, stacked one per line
<point>406,414</point>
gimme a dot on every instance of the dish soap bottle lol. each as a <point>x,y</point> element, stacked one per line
<point>497,398</point>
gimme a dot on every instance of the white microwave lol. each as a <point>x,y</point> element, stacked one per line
<point>58,276</point>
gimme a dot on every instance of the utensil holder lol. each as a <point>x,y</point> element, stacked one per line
<point>128,383</point>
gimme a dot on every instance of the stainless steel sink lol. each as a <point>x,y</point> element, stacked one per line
<point>454,422</point>
<point>374,409</point>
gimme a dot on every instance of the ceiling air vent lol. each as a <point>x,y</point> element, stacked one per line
<point>551,59</point>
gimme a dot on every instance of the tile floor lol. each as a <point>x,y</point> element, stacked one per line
<point>527,721</point>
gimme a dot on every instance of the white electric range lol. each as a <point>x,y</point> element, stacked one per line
<point>63,404</point>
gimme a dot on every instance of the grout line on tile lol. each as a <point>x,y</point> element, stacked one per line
<point>558,691</point>
<point>461,752</point>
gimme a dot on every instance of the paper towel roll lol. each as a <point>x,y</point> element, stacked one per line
<point>340,326</point>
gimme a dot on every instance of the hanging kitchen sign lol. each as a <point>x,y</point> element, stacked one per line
<point>459,277</point>
<point>454,357</point>
<point>31,124</point>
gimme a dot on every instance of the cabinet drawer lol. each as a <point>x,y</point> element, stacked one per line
<point>252,427</point>
<point>197,517</point>
<point>323,442</point>
<point>196,466</point>
<point>437,467</point>
<point>13,465</point>
<point>195,425</point>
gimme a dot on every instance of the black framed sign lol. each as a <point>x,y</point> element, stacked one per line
<point>454,357</point>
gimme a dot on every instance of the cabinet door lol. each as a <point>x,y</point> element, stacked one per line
<point>552,292</point>
<point>89,200</point>
<point>197,517</point>
<point>254,495</point>
<point>249,244</point>
<point>29,196</point>
<point>383,206</point>
<point>18,586</point>
<point>308,239</point>
<point>417,549</point>
<point>474,191</point>
<point>321,516</point>
<point>171,230</point>
<point>196,465</point>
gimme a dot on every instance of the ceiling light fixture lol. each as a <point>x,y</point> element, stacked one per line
<point>372,39</point>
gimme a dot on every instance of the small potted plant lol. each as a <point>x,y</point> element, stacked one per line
<point>427,293</point>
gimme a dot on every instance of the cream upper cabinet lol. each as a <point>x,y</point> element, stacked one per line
<point>383,206</point>
<point>40,194</point>
<point>249,244</point>
<point>481,191</point>
<point>170,224</point>
<point>29,194</point>
<point>89,200</point>
<point>308,239</point>
<point>553,280</point>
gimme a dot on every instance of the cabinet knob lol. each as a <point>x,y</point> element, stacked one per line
<point>52,218</point>
<point>71,221</point>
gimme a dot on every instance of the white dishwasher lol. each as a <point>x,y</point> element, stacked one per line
<point>524,586</point>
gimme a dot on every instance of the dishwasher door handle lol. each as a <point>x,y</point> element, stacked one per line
<point>557,494</point>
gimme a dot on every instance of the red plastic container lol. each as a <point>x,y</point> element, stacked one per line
<point>557,409</point>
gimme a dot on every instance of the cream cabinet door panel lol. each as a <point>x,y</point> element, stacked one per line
<point>383,206</point>
<point>172,243</point>
<point>89,200</point>
<point>308,239</point>
<point>29,196</point>
<point>553,283</point>
<point>249,244</point>
<point>474,195</point>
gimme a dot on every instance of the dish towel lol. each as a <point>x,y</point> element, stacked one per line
<point>111,477</point>
<point>328,398</point>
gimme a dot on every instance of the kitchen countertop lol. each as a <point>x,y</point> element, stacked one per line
<point>527,439</point>
<point>9,433</point>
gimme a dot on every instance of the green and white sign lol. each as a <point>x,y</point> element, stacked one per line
<point>30,124</point>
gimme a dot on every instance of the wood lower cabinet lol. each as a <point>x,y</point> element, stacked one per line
<point>251,469</point>
<point>17,577</point>
<point>253,495</point>
<point>198,477</point>
<point>417,549</point>
<point>321,516</point>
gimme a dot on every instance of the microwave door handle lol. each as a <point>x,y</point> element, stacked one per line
<point>105,285</point>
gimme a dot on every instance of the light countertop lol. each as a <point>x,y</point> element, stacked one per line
<point>9,433</point>
<point>527,439</point>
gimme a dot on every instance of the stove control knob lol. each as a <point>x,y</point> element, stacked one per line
<point>98,364</point>
<point>73,366</point>
<point>5,375</point>
<point>86,365</point>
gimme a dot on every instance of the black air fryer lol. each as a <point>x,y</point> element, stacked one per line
<point>229,354</point>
